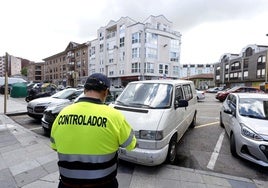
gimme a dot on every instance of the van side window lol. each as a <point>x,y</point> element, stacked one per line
<point>178,93</point>
<point>188,92</point>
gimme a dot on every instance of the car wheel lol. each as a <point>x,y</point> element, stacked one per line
<point>46,131</point>
<point>193,123</point>
<point>232,145</point>
<point>221,123</point>
<point>172,150</point>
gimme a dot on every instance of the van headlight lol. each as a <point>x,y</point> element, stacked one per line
<point>149,135</point>
<point>247,132</point>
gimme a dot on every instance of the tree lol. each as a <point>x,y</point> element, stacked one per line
<point>24,71</point>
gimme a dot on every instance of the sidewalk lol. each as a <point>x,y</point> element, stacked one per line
<point>27,161</point>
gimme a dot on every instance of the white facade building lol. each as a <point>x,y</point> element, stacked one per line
<point>127,50</point>
<point>2,65</point>
<point>188,70</point>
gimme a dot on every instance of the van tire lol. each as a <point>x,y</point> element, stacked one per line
<point>172,150</point>
<point>193,123</point>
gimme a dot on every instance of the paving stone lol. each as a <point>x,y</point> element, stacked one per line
<point>6,179</point>
<point>242,184</point>
<point>30,176</point>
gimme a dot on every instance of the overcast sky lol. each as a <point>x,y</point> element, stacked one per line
<point>36,29</point>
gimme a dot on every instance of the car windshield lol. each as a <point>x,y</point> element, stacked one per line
<point>146,95</point>
<point>254,108</point>
<point>64,94</point>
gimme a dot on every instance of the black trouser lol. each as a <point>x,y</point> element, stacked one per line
<point>111,184</point>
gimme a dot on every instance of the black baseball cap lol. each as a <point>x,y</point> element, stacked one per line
<point>97,81</point>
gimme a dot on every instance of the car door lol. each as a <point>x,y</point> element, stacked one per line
<point>229,113</point>
<point>180,112</point>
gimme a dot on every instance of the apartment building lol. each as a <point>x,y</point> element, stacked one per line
<point>2,66</point>
<point>124,50</point>
<point>249,68</point>
<point>127,50</point>
<point>188,70</point>
<point>69,67</point>
<point>14,65</point>
<point>35,71</point>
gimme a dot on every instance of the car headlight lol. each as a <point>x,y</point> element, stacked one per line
<point>149,135</point>
<point>247,132</point>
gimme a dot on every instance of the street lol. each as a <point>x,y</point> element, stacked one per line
<point>206,147</point>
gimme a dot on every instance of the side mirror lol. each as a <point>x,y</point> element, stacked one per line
<point>181,103</point>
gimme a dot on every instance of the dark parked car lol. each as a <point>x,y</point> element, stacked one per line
<point>51,112</point>
<point>221,96</point>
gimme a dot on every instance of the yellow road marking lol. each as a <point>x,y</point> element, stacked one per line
<point>208,124</point>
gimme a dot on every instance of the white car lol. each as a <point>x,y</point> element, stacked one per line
<point>200,95</point>
<point>36,107</point>
<point>245,119</point>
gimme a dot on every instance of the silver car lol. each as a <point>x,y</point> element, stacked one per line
<point>36,107</point>
<point>245,119</point>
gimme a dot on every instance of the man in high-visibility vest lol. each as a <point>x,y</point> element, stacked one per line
<point>87,135</point>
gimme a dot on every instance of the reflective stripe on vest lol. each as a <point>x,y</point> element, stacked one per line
<point>87,174</point>
<point>86,158</point>
<point>129,140</point>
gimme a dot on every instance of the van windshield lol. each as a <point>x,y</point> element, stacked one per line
<point>146,95</point>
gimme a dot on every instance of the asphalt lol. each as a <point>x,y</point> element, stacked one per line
<point>27,161</point>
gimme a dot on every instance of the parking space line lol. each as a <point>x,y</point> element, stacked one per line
<point>208,124</point>
<point>215,154</point>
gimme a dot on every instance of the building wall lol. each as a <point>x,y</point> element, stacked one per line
<point>154,54</point>
<point>248,68</point>
<point>69,67</point>
<point>124,62</point>
<point>2,66</point>
<point>188,70</point>
<point>35,71</point>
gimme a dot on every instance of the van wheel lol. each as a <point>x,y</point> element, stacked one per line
<point>232,145</point>
<point>193,123</point>
<point>172,150</point>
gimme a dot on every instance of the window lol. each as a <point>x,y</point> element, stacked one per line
<point>149,68</point>
<point>101,47</point>
<point>122,42</point>
<point>260,73</point>
<point>136,38</point>
<point>122,28</point>
<point>163,69</point>
<point>151,38</point>
<point>249,52</point>
<point>135,53</point>
<point>151,53</point>
<point>245,75</point>
<point>227,67</point>
<point>261,60</point>
<point>245,65</point>
<point>135,67</point>
<point>175,70</point>
<point>188,92</point>
<point>174,56</point>
<point>235,65</point>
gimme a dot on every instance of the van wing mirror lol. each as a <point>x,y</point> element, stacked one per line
<point>181,103</point>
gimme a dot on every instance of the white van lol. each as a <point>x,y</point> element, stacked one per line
<point>160,111</point>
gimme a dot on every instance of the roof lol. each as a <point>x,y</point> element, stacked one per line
<point>164,81</point>
<point>251,95</point>
<point>200,76</point>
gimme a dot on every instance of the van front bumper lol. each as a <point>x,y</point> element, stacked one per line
<point>144,156</point>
